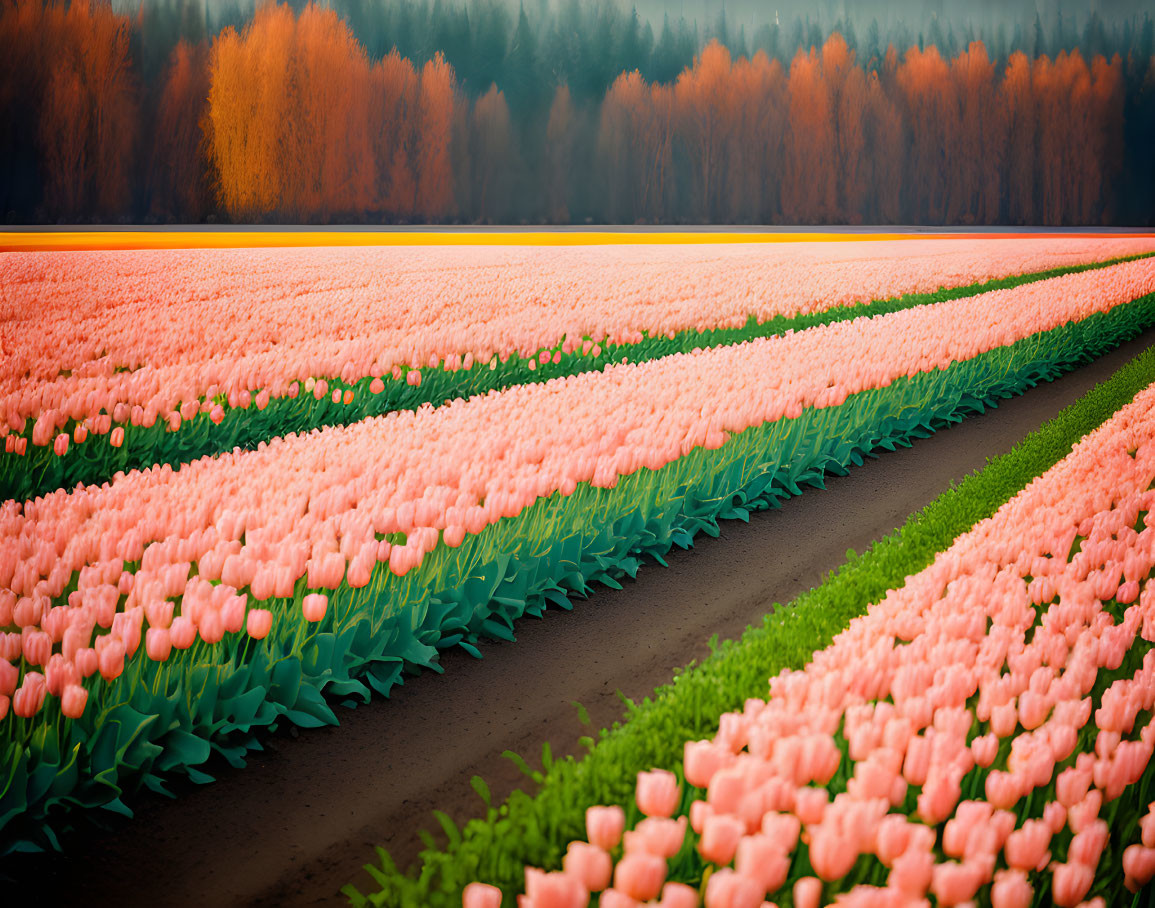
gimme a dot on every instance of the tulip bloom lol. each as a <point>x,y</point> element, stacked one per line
<point>258,623</point>
<point>657,793</point>
<point>588,864</point>
<point>604,826</point>
<point>313,606</point>
<point>640,876</point>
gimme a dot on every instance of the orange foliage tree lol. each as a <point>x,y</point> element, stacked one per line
<point>435,116</point>
<point>289,112</point>
<point>809,175</point>
<point>394,119</point>
<point>705,110</point>
<point>927,93</point>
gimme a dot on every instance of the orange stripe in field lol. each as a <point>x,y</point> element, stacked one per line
<point>32,241</point>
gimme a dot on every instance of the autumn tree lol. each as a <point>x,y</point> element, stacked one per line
<point>435,117</point>
<point>927,94</point>
<point>884,155</point>
<point>809,172</point>
<point>177,173</point>
<point>1019,125</point>
<point>755,156</point>
<point>845,85</point>
<point>395,95</point>
<point>978,138</point>
<point>622,133</point>
<point>705,107</point>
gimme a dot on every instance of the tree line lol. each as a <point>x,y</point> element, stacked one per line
<point>307,113</point>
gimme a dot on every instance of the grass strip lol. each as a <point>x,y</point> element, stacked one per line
<point>40,471</point>
<point>534,829</point>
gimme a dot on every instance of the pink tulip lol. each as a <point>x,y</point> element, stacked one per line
<point>1147,827</point>
<point>604,826</point>
<point>1026,848</point>
<point>1080,815</point>
<point>762,859</point>
<point>313,606</point>
<point>217,414</point>
<point>258,623</point>
<point>86,661</point>
<point>1055,816</point>
<point>112,660</point>
<point>678,895</point>
<point>1087,845</point>
<point>1011,889</point>
<point>728,889</point>
<point>702,759</point>
<point>985,748</point>
<point>158,644</point>
<point>614,898</point>
<point>955,883</point>
<point>720,836</point>
<point>60,445</point>
<point>1138,865</point>
<point>832,855</point>
<point>912,873</point>
<point>588,864</point>
<point>657,793</point>
<point>29,697</point>
<point>481,895</point>
<point>183,632</point>
<point>640,876</point>
<point>376,386</point>
<point>810,804</point>
<point>233,614</point>
<point>1071,786</point>
<point>807,892</point>
<point>554,890</point>
<point>73,701</point>
<point>892,838</point>
<point>1070,883</point>
<point>660,836</point>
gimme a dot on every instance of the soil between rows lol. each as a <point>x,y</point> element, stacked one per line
<point>304,816</point>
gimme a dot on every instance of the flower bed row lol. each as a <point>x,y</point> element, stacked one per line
<point>536,829</point>
<point>111,558</point>
<point>984,727</point>
<point>157,393</point>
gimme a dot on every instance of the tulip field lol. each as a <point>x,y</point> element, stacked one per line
<point>244,487</point>
<point>984,725</point>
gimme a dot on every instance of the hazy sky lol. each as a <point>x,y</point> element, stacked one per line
<point>760,11</point>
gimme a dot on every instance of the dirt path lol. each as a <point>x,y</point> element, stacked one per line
<point>305,815</point>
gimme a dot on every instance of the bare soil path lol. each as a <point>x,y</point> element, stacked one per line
<point>304,816</point>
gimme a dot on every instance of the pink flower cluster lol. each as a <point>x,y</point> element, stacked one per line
<point>980,668</point>
<point>313,506</point>
<point>104,338</point>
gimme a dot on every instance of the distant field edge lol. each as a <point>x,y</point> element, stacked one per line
<point>231,238</point>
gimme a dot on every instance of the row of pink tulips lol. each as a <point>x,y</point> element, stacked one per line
<point>313,506</point>
<point>95,340</point>
<point>980,668</point>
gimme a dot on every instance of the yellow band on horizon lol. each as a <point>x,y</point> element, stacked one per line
<point>37,241</point>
